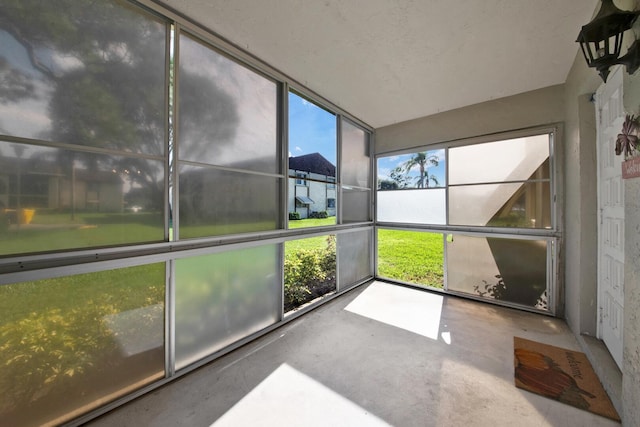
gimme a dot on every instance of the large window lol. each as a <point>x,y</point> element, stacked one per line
<point>145,189</point>
<point>471,218</point>
<point>86,103</point>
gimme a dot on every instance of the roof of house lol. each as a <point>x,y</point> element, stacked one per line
<point>312,163</point>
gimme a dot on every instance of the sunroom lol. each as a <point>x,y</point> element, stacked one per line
<point>152,223</point>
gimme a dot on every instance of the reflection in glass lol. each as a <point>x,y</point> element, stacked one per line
<point>426,206</point>
<point>88,73</point>
<point>526,205</point>
<point>354,251</point>
<point>355,205</point>
<point>227,113</point>
<point>508,160</point>
<point>309,270</point>
<point>74,343</point>
<point>53,199</point>
<point>214,202</point>
<point>508,270</point>
<point>223,298</point>
<point>411,257</point>
<point>356,164</point>
<point>312,164</point>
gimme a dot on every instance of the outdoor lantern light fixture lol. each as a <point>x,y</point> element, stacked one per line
<point>601,40</point>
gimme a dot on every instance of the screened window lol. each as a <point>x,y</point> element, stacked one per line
<point>227,143</point>
<point>485,189</point>
<point>224,297</point>
<point>355,173</point>
<point>98,85</point>
<point>501,184</point>
<point>71,343</point>
<point>354,256</point>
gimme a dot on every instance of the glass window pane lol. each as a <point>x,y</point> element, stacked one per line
<point>312,164</point>
<point>88,73</point>
<point>510,160</point>
<point>525,205</point>
<point>73,343</point>
<point>53,199</point>
<point>412,257</point>
<point>412,206</point>
<point>215,202</point>
<point>356,164</point>
<point>223,298</point>
<point>227,113</point>
<point>309,270</point>
<point>355,205</point>
<point>425,169</point>
<point>354,251</point>
<point>508,270</point>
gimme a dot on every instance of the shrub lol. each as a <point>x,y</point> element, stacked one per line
<point>308,273</point>
<point>319,215</point>
<point>294,216</point>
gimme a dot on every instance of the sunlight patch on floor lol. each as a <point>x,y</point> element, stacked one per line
<point>288,397</point>
<point>409,309</point>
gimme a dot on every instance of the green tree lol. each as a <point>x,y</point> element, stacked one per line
<point>400,177</point>
<point>422,161</point>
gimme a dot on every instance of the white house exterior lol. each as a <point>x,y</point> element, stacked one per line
<point>312,185</point>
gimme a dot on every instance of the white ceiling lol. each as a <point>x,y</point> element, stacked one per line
<point>387,61</point>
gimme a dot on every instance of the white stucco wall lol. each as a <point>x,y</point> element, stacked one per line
<point>535,108</point>
<point>580,237</point>
<point>631,337</point>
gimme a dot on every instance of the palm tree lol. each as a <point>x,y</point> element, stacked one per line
<point>423,160</point>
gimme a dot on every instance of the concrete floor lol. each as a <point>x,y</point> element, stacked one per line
<point>379,355</point>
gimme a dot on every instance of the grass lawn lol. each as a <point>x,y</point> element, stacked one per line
<point>413,257</point>
<point>53,231</point>
<point>312,222</point>
<point>293,246</point>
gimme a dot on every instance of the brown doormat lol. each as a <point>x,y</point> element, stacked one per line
<point>560,374</point>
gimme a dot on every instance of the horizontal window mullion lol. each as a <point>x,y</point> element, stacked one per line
<point>475,230</point>
<point>31,267</point>
<point>525,181</point>
<point>81,148</point>
<point>228,169</point>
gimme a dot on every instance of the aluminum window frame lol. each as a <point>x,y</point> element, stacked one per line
<point>553,235</point>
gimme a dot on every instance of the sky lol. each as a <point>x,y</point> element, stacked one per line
<point>387,164</point>
<point>311,129</point>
